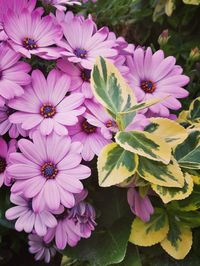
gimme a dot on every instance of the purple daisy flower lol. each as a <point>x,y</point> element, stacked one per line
<point>27,219</point>
<point>44,105</point>
<point>17,7</point>
<point>5,151</point>
<point>14,130</point>
<point>140,206</point>
<point>31,34</point>
<point>48,170</point>
<point>60,4</point>
<point>41,249</point>
<point>153,76</point>
<point>13,74</point>
<point>73,224</point>
<point>87,44</point>
<point>94,130</point>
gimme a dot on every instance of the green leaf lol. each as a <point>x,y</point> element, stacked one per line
<point>104,247</point>
<point>132,257</point>
<point>110,88</point>
<point>144,144</point>
<point>115,165</point>
<point>160,174</point>
<point>188,152</point>
<point>151,232</point>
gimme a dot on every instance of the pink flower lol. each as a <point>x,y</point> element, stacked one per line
<point>153,76</point>
<point>44,105</point>
<point>140,206</point>
<point>60,4</point>
<point>40,248</point>
<point>14,130</point>
<point>94,130</point>
<point>48,170</point>
<point>5,151</point>
<point>17,7</point>
<point>87,44</point>
<point>13,74</point>
<point>27,219</point>
<point>36,35</point>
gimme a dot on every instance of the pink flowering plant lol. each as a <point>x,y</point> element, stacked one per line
<point>97,156</point>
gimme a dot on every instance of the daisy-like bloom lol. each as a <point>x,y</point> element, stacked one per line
<point>80,77</point>
<point>44,105</point>
<point>31,34</point>
<point>14,130</point>
<point>27,219</point>
<point>48,170</point>
<point>5,151</point>
<point>73,224</point>
<point>60,4</point>
<point>87,44</point>
<point>153,76</point>
<point>140,206</point>
<point>41,249</point>
<point>94,130</point>
<point>17,7</point>
<point>13,74</point>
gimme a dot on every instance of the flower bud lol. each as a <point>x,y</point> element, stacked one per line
<point>164,37</point>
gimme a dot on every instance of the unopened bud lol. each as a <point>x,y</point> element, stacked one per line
<point>195,53</point>
<point>164,37</point>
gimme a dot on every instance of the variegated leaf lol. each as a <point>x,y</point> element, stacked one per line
<point>168,194</point>
<point>188,152</point>
<point>192,203</point>
<point>171,131</point>
<point>152,232</point>
<point>110,88</point>
<point>115,165</point>
<point>144,144</point>
<point>178,241</point>
<point>160,174</point>
<point>194,110</point>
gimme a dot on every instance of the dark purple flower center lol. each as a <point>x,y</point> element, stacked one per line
<point>88,128</point>
<point>29,43</point>
<point>10,111</point>
<point>47,110</point>
<point>81,53</point>
<point>148,86</point>
<point>30,204</point>
<point>49,170</point>
<point>85,75</point>
<point>3,164</point>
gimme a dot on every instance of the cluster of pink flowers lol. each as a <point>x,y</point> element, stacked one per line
<point>56,120</point>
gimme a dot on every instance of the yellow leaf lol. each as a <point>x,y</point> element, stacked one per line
<point>115,165</point>
<point>169,7</point>
<point>152,232</point>
<point>168,194</point>
<point>196,179</point>
<point>171,131</point>
<point>191,2</point>
<point>182,246</point>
